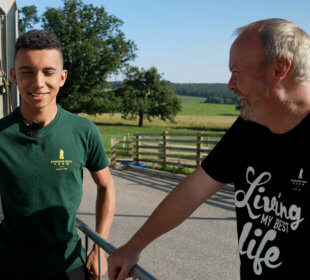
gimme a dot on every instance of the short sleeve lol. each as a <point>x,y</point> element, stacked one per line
<point>96,158</point>
<point>219,163</point>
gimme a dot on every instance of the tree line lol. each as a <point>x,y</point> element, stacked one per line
<point>213,92</point>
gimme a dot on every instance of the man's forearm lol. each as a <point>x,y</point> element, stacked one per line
<point>105,202</point>
<point>105,205</point>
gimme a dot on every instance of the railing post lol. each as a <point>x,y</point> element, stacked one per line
<point>99,263</point>
<point>86,244</point>
<point>165,147</point>
<point>128,144</point>
<point>138,138</point>
<point>137,271</point>
<point>113,151</point>
<point>199,147</point>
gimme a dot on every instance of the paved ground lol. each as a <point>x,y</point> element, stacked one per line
<point>203,247</point>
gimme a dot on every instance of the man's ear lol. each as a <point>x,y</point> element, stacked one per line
<point>282,68</point>
<point>63,77</point>
<point>13,76</point>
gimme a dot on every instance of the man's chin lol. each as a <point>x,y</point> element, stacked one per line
<point>246,115</point>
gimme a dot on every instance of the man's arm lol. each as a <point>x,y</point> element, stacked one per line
<point>105,205</point>
<point>172,211</point>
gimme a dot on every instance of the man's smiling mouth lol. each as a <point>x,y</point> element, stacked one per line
<point>37,94</point>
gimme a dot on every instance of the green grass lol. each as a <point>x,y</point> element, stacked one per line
<point>195,106</point>
<point>191,99</point>
<point>207,109</point>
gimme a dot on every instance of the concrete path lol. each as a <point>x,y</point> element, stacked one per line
<point>203,247</point>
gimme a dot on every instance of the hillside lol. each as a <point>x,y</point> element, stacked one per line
<point>214,93</point>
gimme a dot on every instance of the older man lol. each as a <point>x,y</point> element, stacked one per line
<point>265,154</point>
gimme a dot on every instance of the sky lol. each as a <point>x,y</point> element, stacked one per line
<point>188,41</point>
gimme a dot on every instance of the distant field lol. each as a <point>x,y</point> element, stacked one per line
<point>192,99</point>
<point>207,109</point>
<point>194,106</point>
<point>194,117</point>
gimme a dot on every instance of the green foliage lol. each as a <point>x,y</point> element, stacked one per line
<point>28,16</point>
<point>179,169</point>
<point>144,93</point>
<point>93,47</point>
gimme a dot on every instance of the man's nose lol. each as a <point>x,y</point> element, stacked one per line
<point>231,83</point>
<point>39,80</point>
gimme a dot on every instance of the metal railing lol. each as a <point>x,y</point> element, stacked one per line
<point>137,272</point>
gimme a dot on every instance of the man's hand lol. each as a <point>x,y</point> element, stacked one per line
<point>92,263</point>
<point>121,262</point>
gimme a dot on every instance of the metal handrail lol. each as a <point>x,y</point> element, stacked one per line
<point>137,271</point>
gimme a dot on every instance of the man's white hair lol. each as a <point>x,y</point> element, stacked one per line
<point>282,38</point>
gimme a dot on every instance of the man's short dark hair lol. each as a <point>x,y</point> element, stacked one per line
<point>38,40</point>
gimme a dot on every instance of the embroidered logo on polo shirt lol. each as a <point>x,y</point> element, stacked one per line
<point>299,182</point>
<point>61,163</point>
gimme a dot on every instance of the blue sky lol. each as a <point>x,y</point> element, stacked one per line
<point>189,40</point>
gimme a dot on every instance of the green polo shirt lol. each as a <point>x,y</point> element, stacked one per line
<point>41,190</point>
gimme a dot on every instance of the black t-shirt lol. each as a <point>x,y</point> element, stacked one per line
<point>271,174</point>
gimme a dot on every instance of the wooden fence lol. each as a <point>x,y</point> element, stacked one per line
<point>181,149</point>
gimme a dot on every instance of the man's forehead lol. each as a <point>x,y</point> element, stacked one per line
<point>245,50</point>
<point>27,57</point>
<point>246,44</point>
<point>249,39</point>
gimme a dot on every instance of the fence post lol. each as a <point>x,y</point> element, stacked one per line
<point>128,144</point>
<point>113,152</point>
<point>199,147</point>
<point>138,138</point>
<point>165,147</point>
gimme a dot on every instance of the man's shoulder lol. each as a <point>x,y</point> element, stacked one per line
<point>247,126</point>
<point>75,124</point>
<point>74,118</point>
<point>9,120</point>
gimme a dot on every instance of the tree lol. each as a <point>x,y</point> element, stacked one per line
<point>93,47</point>
<point>145,94</point>
<point>27,18</point>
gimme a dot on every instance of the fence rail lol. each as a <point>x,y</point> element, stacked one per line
<point>182,149</point>
<point>137,272</point>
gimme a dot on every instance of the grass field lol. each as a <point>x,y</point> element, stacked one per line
<point>195,106</point>
<point>206,109</point>
<point>192,99</point>
<point>195,117</point>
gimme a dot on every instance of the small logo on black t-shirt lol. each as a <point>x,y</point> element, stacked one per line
<point>299,182</point>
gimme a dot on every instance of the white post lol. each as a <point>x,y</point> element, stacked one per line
<point>9,96</point>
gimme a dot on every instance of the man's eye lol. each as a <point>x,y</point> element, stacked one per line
<point>49,73</point>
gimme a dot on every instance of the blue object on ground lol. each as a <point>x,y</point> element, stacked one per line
<point>135,164</point>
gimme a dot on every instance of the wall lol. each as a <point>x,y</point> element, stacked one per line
<point>9,97</point>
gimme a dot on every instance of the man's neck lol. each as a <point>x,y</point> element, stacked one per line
<point>291,110</point>
<point>43,116</point>
<point>287,123</point>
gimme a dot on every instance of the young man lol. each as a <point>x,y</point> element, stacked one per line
<point>265,154</point>
<point>42,155</point>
